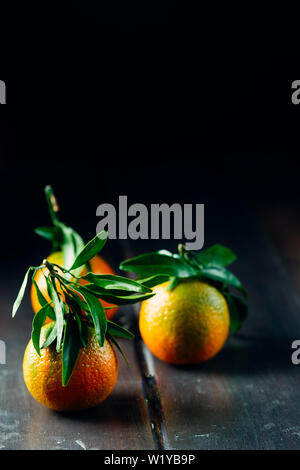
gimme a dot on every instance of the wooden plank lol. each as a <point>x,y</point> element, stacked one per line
<point>121,422</point>
<point>245,398</point>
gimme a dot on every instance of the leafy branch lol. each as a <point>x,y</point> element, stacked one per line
<point>208,265</point>
<point>73,306</point>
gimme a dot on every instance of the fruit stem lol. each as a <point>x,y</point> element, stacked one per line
<point>52,204</point>
<point>50,267</point>
<point>181,250</point>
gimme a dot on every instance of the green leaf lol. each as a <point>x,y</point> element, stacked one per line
<point>70,350</point>
<point>82,328</point>
<point>52,335</point>
<point>158,263</point>
<point>218,255</point>
<point>37,323</point>
<point>173,283</point>
<point>76,309</point>
<point>152,281</point>
<point>218,273</point>
<point>21,292</point>
<point>78,242</point>
<point>43,301</point>
<point>117,299</point>
<point>80,302</point>
<point>67,246</point>
<point>238,311</point>
<point>90,250</point>
<point>116,283</point>
<point>115,342</point>
<point>58,313</point>
<point>117,330</point>
<point>49,233</point>
<point>97,312</point>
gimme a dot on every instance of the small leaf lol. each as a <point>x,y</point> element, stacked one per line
<point>21,292</point>
<point>82,328</point>
<point>97,312</point>
<point>158,263</point>
<point>78,242</point>
<point>37,323</point>
<point>80,302</point>
<point>78,313</point>
<point>49,233</point>
<point>58,313</point>
<point>52,335</point>
<point>70,350</point>
<point>90,250</point>
<point>117,330</point>
<point>115,342</point>
<point>238,311</point>
<point>173,283</point>
<point>117,299</point>
<point>67,246</point>
<point>218,273</point>
<point>152,281</point>
<point>43,301</point>
<point>116,283</point>
<point>218,255</point>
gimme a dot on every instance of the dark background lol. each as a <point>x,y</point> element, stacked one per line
<point>163,102</point>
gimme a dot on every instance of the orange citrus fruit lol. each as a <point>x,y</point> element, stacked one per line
<point>98,266</point>
<point>186,325</point>
<point>93,378</point>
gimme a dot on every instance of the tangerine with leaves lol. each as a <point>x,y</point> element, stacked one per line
<point>70,363</point>
<point>189,318</point>
<point>66,244</point>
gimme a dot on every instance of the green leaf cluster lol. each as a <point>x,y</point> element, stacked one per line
<point>74,306</point>
<point>210,265</point>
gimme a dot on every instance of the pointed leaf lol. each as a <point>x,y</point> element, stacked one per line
<point>218,255</point>
<point>37,323</point>
<point>152,281</point>
<point>70,351</point>
<point>43,301</point>
<point>158,263</point>
<point>115,342</point>
<point>97,312</point>
<point>52,335</point>
<point>49,233</point>
<point>90,250</point>
<point>117,330</point>
<point>116,283</point>
<point>117,299</point>
<point>58,313</point>
<point>21,292</point>
<point>218,273</point>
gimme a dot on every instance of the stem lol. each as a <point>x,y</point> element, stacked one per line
<point>181,250</point>
<point>52,204</point>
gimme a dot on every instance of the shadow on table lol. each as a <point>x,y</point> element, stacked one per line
<point>248,355</point>
<point>118,407</point>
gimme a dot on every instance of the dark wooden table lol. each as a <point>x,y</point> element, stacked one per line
<point>245,398</point>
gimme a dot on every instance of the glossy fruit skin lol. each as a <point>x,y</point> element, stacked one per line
<point>98,266</point>
<point>92,381</point>
<point>186,325</point>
